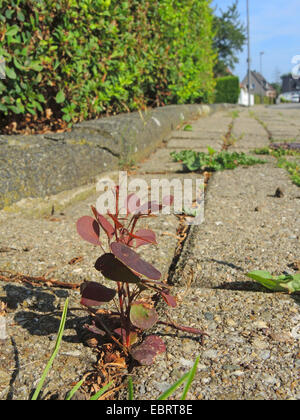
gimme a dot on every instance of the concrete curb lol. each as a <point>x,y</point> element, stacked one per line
<point>42,165</point>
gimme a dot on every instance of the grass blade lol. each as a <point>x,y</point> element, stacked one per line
<point>173,388</point>
<point>190,378</point>
<point>130,389</point>
<point>74,389</point>
<point>55,351</point>
<point>101,392</point>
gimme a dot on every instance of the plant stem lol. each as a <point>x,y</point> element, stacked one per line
<point>121,303</point>
<point>183,328</point>
<point>94,312</point>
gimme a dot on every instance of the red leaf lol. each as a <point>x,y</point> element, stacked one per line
<point>115,270</point>
<point>92,328</point>
<point>170,300</point>
<point>94,294</point>
<point>155,342</point>
<point>132,260</point>
<point>147,239</point>
<point>105,224</point>
<point>132,203</point>
<point>168,200</point>
<point>146,352</point>
<point>143,317</point>
<point>88,229</point>
<point>144,237</point>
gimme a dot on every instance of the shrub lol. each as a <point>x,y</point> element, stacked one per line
<point>77,59</point>
<point>266,100</point>
<point>227,89</point>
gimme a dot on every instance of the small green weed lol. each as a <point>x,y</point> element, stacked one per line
<point>188,127</point>
<point>231,140</point>
<point>262,151</point>
<point>235,114</point>
<point>212,161</point>
<point>278,152</point>
<point>283,283</point>
<point>293,169</point>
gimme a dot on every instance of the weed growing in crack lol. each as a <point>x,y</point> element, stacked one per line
<point>187,378</point>
<point>279,151</point>
<point>293,169</point>
<point>133,275</point>
<point>263,124</point>
<point>213,161</point>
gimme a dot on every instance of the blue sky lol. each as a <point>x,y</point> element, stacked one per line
<point>274,29</point>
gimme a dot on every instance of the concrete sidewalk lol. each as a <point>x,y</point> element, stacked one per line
<point>252,351</point>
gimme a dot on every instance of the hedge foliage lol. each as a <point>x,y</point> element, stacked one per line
<point>227,89</point>
<point>266,100</point>
<point>82,58</point>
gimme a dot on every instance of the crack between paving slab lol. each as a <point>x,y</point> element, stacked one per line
<point>183,231</point>
<point>229,140</point>
<point>263,124</point>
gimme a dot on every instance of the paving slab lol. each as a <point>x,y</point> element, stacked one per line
<point>251,352</point>
<point>285,125</point>
<point>191,144</point>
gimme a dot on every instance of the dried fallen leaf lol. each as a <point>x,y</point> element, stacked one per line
<point>2,308</point>
<point>295,265</point>
<point>48,113</point>
<point>75,260</point>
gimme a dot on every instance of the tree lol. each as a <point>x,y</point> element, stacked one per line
<point>277,87</point>
<point>229,39</point>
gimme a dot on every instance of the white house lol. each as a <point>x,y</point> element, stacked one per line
<point>243,98</point>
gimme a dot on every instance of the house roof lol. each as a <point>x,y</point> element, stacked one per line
<point>261,80</point>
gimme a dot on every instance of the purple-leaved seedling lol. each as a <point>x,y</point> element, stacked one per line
<point>132,274</point>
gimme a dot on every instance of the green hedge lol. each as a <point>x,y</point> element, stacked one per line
<point>83,58</point>
<point>266,100</point>
<point>227,89</point>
